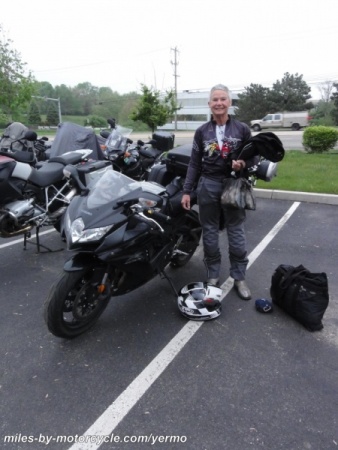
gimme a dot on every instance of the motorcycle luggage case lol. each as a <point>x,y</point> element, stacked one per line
<point>91,170</point>
<point>164,140</point>
<point>159,174</point>
<point>178,159</point>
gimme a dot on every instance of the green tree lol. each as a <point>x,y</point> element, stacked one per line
<point>289,94</point>
<point>108,104</point>
<point>43,90</point>
<point>252,103</point>
<point>153,109</point>
<point>87,96</point>
<point>52,115</point>
<point>65,94</point>
<point>321,114</point>
<point>4,119</point>
<point>128,104</point>
<point>34,117</point>
<point>16,87</point>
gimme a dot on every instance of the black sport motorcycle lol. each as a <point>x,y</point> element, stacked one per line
<point>123,233</point>
<point>38,196</point>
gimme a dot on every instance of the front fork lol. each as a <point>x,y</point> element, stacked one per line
<point>83,261</point>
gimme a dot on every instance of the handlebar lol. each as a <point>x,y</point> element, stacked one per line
<point>151,215</point>
<point>157,215</point>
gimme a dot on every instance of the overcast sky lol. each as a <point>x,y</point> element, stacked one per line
<point>122,44</point>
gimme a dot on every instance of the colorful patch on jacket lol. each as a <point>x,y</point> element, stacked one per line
<point>211,147</point>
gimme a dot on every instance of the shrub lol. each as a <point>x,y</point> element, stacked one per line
<point>319,139</point>
<point>95,121</point>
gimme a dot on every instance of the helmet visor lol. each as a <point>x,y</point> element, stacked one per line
<point>196,290</point>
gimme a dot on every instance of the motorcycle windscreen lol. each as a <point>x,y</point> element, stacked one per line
<point>110,187</point>
<point>117,140</point>
<point>113,186</point>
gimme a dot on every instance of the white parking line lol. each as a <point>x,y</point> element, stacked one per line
<point>113,415</point>
<point>18,241</point>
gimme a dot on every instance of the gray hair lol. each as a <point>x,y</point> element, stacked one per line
<point>220,87</point>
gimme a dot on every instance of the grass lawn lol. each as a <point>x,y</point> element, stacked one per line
<point>305,172</point>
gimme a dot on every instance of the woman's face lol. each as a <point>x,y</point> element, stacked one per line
<point>219,103</point>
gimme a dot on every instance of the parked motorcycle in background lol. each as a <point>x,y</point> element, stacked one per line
<point>71,136</point>
<point>135,159</point>
<point>18,139</point>
<point>38,196</point>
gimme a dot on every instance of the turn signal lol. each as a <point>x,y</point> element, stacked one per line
<point>101,288</point>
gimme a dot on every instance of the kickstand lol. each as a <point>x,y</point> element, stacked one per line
<point>164,275</point>
<point>37,243</point>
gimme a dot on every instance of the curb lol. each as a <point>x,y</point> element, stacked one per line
<point>310,197</point>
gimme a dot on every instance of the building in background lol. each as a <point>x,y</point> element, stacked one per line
<point>194,110</point>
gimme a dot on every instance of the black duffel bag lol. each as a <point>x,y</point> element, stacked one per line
<point>302,294</point>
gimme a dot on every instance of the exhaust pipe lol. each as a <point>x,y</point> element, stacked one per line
<point>6,234</point>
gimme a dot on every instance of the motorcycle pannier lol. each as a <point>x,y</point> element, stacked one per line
<point>177,160</point>
<point>159,174</point>
<point>301,294</point>
<point>164,140</point>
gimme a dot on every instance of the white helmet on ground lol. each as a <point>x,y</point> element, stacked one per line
<point>200,301</point>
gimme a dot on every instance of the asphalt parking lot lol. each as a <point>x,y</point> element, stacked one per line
<point>145,377</point>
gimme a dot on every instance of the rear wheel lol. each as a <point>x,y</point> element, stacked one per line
<point>295,127</point>
<point>74,303</point>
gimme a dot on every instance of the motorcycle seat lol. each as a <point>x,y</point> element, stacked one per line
<point>149,152</point>
<point>47,174</point>
<point>67,158</point>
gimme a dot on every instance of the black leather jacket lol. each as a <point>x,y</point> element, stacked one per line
<point>208,160</point>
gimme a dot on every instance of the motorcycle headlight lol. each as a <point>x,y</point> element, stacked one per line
<point>80,234</point>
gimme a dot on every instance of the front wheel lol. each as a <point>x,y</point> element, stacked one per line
<point>74,303</point>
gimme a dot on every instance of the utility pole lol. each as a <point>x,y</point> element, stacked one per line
<point>54,100</point>
<point>175,64</point>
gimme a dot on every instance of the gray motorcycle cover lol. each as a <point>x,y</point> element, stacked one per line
<point>70,136</point>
